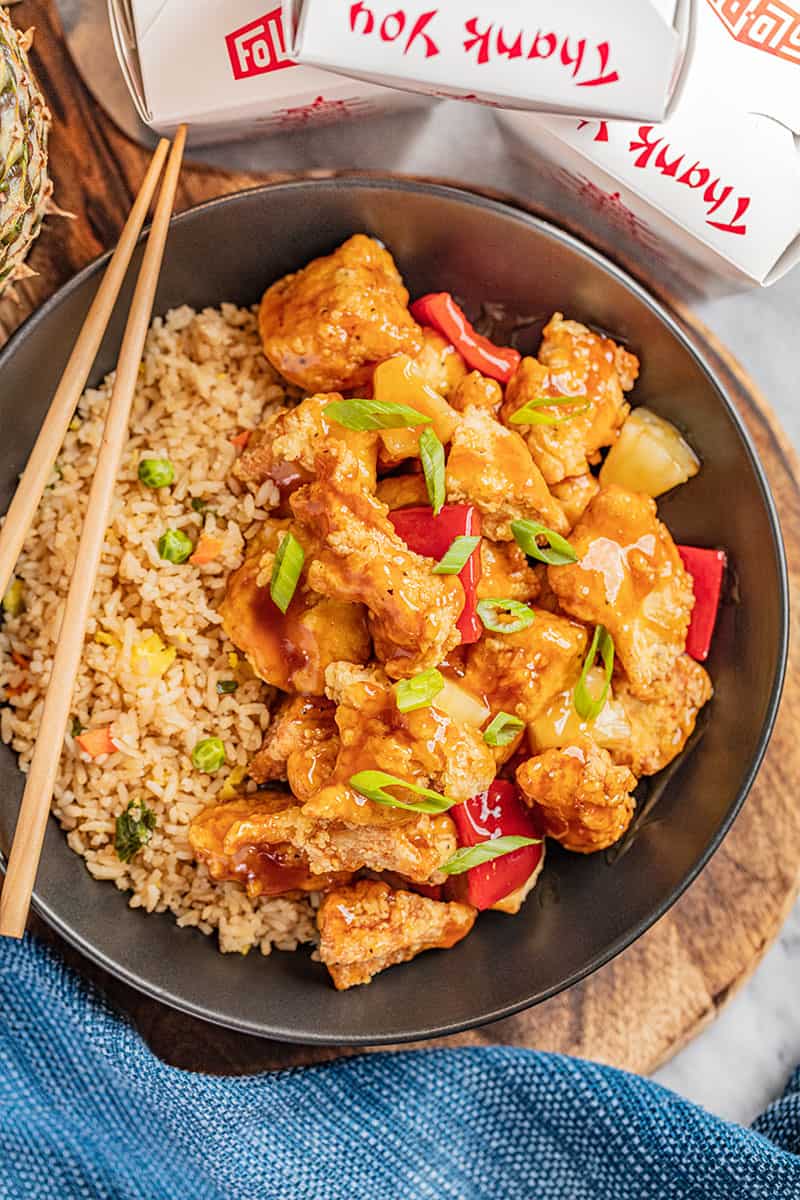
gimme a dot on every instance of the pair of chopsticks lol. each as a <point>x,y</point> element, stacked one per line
<point>23,861</point>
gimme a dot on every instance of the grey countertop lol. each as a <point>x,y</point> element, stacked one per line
<point>740,1063</point>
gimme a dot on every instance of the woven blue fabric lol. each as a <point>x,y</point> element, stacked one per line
<point>87,1111</point>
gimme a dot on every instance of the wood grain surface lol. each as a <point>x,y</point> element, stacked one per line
<point>656,996</point>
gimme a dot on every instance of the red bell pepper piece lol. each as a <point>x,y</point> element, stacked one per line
<point>498,812</point>
<point>439,310</point>
<point>433,536</point>
<point>707,569</point>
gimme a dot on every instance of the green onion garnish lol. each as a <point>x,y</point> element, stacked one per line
<point>174,546</point>
<point>419,691</point>
<point>133,829</point>
<point>585,705</point>
<point>226,687</point>
<point>372,784</point>
<point>557,552</point>
<point>529,413</point>
<point>156,472</point>
<point>431,452</point>
<point>199,505</point>
<point>209,755</point>
<point>474,856</point>
<point>364,415</point>
<point>503,729</point>
<point>457,556</point>
<point>491,613</point>
<point>75,727</point>
<point>286,571</point>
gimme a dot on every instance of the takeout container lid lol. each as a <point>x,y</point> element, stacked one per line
<point>620,59</point>
<point>223,67</point>
<point>715,188</point>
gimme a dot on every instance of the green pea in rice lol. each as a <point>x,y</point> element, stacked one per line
<point>202,380</point>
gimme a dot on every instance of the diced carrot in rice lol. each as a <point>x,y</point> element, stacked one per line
<point>207,550</point>
<point>95,742</point>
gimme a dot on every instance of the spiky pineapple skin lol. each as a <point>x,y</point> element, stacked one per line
<point>25,186</point>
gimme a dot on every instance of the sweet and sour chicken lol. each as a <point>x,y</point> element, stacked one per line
<point>476,645</point>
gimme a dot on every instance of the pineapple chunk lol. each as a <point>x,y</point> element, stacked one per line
<point>650,456</point>
<point>399,380</point>
<point>560,725</point>
<point>461,706</point>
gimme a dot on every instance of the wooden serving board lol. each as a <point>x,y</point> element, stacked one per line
<point>653,998</point>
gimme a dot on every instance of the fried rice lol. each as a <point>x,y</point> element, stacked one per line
<point>202,381</point>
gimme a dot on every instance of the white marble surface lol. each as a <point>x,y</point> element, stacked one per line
<point>741,1063</point>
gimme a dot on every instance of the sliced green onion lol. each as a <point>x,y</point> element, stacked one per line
<point>529,413</point>
<point>199,505</point>
<point>502,730</point>
<point>209,755</point>
<point>156,472</point>
<point>133,829</point>
<point>75,727</point>
<point>557,552</point>
<point>14,599</point>
<point>491,613</point>
<point>372,784</point>
<point>585,705</point>
<point>419,691</point>
<point>174,546</point>
<point>286,571</point>
<point>431,452</point>
<point>364,415</point>
<point>474,856</point>
<point>226,687</point>
<point>458,555</point>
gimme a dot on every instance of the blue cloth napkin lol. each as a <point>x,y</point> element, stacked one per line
<point>86,1110</point>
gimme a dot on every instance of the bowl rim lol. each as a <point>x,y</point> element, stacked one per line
<point>374,182</point>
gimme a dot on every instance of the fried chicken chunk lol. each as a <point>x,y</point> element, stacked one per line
<point>440,364</point>
<point>491,467</point>
<point>290,650</point>
<point>520,673</point>
<point>284,448</point>
<point>573,362</point>
<point>300,746</point>
<point>326,326</point>
<point>575,495</point>
<point>661,727</point>
<point>584,799</point>
<point>505,572</point>
<point>366,927</point>
<point>477,391</point>
<point>226,837</point>
<point>630,578</point>
<point>413,613</point>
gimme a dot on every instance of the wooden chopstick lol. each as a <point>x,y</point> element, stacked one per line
<point>62,408</point>
<point>26,849</point>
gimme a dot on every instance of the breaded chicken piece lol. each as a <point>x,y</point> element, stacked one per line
<point>630,578</point>
<point>290,650</point>
<point>575,495</point>
<point>284,448</point>
<point>366,927</point>
<point>491,467</point>
<point>402,491</point>
<point>661,727</point>
<point>325,327</point>
<point>413,613</point>
<point>301,746</point>
<point>440,364</point>
<point>573,361</point>
<point>584,800</point>
<point>226,838</point>
<point>506,573</point>
<point>520,673</point>
<point>477,391</point>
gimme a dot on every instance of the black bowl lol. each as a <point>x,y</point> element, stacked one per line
<point>585,910</point>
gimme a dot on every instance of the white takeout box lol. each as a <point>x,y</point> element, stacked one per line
<point>711,196</point>
<point>620,58</point>
<point>222,67</point>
